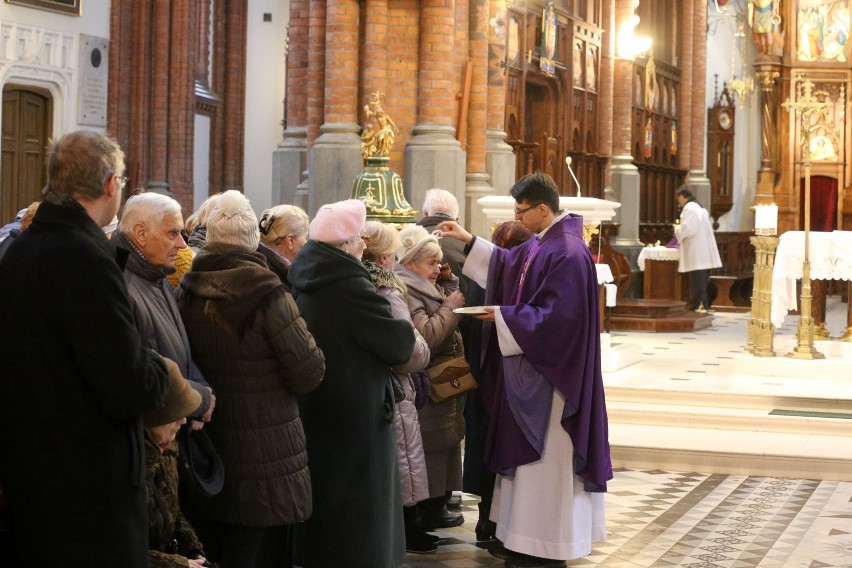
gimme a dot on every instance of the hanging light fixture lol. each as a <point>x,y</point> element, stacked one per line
<point>741,86</point>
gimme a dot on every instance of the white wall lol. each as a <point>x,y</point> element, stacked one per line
<point>265,79</point>
<point>93,21</point>
<point>720,47</point>
<point>55,37</point>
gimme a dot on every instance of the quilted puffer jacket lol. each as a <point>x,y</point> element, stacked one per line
<point>255,350</point>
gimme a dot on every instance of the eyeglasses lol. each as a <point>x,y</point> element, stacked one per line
<point>122,182</point>
<point>522,211</point>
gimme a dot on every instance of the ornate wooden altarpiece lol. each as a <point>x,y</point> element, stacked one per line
<point>808,41</point>
<point>554,114</point>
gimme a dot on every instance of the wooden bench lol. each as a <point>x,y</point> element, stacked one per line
<point>733,282</point>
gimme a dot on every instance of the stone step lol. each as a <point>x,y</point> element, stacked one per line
<point>795,421</point>
<point>710,450</point>
<point>760,393</point>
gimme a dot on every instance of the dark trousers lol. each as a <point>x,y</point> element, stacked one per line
<point>236,546</point>
<point>699,280</point>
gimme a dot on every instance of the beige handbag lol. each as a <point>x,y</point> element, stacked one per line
<point>450,379</point>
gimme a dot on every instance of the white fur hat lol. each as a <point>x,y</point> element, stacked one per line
<point>413,238</point>
<point>336,223</point>
<point>233,221</point>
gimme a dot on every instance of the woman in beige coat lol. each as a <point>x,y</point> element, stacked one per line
<point>431,301</point>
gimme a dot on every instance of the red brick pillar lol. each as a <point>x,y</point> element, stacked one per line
<point>433,156</point>
<point>341,62</point>
<point>605,123</point>
<point>335,158</point>
<point>684,123</point>
<point>624,176</point>
<point>697,179</point>
<point>435,83</point>
<point>477,115</point>
<point>375,64</point>
<point>297,64</point>
<point>290,159</point>
<point>316,69</point>
<point>499,159</point>
<point>698,87</point>
<point>180,97</point>
<point>159,119</point>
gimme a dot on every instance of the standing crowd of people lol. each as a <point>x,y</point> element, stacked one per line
<point>230,391</point>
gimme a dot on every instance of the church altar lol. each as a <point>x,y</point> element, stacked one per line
<point>657,253</point>
<point>830,256</point>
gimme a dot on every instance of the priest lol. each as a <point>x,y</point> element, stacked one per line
<point>541,382</point>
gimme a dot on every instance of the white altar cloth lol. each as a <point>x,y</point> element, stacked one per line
<point>830,257</point>
<point>657,253</point>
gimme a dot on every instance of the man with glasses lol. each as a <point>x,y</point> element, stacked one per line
<point>76,377</point>
<point>541,382</point>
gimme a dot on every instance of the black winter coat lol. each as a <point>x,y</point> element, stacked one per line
<point>349,419</point>
<point>76,379</point>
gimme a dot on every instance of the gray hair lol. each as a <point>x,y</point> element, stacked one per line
<point>429,249</point>
<point>80,163</point>
<point>147,208</point>
<point>439,200</point>
<point>282,220</point>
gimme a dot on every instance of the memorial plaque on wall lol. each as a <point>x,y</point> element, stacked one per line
<point>92,88</point>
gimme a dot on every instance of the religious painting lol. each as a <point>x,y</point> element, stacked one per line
<point>513,44</point>
<point>673,141</point>
<point>577,64</point>
<point>547,60</point>
<point>822,31</point>
<point>71,7</point>
<point>591,68</point>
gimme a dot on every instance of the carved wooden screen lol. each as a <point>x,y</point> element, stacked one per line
<point>655,130</point>
<point>551,116</point>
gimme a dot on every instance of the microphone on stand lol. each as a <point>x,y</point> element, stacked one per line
<point>568,163</point>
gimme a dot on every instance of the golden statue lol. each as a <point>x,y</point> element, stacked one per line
<point>378,136</point>
<point>377,185</point>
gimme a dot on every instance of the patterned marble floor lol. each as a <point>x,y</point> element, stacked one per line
<point>695,520</point>
<point>700,520</point>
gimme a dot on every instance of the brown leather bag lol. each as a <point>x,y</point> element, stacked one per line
<point>450,379</point>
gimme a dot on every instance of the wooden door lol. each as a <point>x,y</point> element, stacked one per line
<point>26,126</point>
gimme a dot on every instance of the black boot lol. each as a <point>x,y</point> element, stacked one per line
<point>417,541</point>
<point>486,530</point>
<point>433,514</point>
<point>454,502</point>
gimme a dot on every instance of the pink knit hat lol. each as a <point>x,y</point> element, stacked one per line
<point>336,223</point>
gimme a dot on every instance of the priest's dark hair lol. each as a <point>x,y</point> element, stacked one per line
<point>684,191</point>
<point>535,189</point>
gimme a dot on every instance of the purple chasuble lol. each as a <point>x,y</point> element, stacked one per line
<point>554,318</point>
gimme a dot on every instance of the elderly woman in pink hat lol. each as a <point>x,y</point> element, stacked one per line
<point>349,418</point>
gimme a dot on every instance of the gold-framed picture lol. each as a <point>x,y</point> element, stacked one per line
<point>70,7</point>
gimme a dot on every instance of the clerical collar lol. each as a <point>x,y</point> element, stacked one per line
<point>540,235</point>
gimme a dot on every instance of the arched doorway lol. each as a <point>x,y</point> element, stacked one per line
<point>26,127</point>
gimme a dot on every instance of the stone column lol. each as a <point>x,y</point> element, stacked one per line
<point>335,158</point>
<point>499,158</point>
<point>291,157</point>
<point>768,74</point>
<point>433,156</point>
<point>697,179</point>
<point>624,174</point>
<point>606,88</point>
<point>477,118</point>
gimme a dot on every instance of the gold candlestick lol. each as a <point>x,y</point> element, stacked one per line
<point>761,332</point>
<point>806,104</point>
